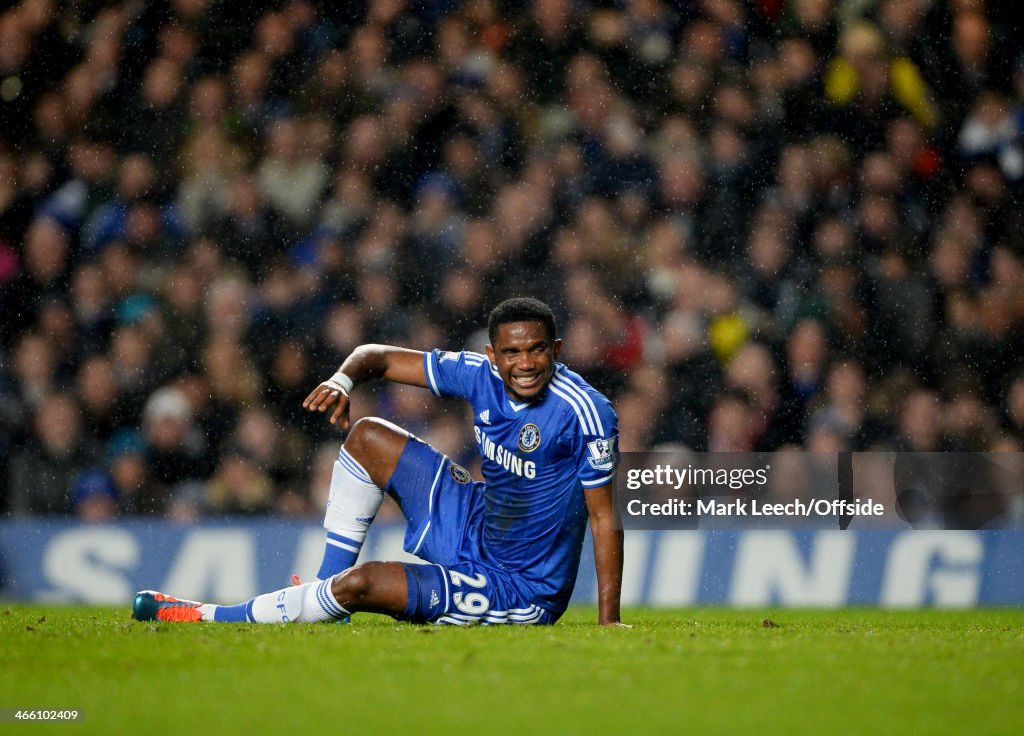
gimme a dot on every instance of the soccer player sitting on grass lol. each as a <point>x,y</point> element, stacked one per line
<point>503,551</point>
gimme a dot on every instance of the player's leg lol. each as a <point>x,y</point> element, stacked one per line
<point>374,587</point>
<point>364,465</point>
<point>391,460</point>
<point>435,496</point>
<point>463,595</point>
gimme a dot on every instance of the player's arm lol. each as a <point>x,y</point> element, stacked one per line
<point>607,553</point>
<point>366,363</point>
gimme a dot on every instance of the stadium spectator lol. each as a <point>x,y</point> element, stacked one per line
<point>869,85</point>
<point>919,425</point>
<point>238,485</point>
<point>102,405</point>
<point>805,362</point>
<point>843,411</point>
<point>126,461</point>
<point>177,451</point>
<point>95,497</point>
<point>994,130</point>
<point>292,179</point>
<point>43,470</point>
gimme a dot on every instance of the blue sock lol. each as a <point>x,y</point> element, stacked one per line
<point>340,553</point>
<point>242,613</point>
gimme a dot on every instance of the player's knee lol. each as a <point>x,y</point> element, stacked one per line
<point>354,586</point>
<point>371,438</point>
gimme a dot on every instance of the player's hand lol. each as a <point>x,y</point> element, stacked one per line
<point>326,395</point>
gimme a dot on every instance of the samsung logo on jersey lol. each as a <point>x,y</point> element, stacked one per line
<point>504,457</point>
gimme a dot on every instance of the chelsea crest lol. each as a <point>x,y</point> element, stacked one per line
<point>459,473</point>
<point>529,437</point>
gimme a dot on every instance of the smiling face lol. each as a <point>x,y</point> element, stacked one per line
<point>524,354</point>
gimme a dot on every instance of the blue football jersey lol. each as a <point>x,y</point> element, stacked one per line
<point>537,459</point>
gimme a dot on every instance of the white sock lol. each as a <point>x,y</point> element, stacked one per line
<point>351,507</point>
<point>310,602</point>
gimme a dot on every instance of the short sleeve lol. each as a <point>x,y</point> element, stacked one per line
<point>453,373</point>
<point>597,430</point>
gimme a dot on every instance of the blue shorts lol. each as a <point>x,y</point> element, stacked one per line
<point>444,508</point>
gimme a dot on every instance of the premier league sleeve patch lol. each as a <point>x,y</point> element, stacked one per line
<point>602,454</point>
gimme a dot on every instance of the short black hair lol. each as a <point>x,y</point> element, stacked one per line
<point>521,309</point>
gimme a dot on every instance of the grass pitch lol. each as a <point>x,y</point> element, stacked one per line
<point>700,671</point>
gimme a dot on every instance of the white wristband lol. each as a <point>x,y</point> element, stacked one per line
<point>340,381</point>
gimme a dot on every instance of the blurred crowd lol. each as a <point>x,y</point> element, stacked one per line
<point>762,224</point>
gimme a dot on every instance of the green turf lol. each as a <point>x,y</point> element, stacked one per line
<point>696,671</point>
